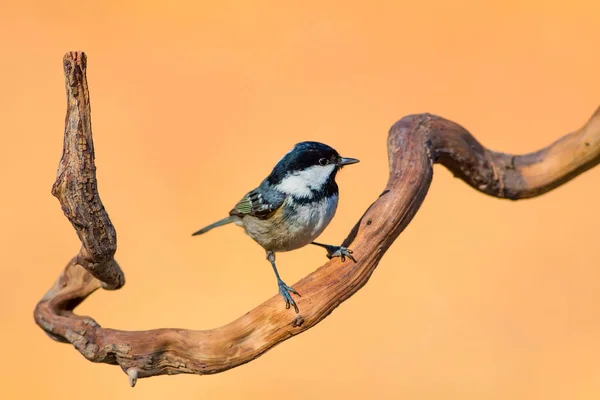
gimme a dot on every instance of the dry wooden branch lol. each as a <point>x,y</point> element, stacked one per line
<point>415,143</point>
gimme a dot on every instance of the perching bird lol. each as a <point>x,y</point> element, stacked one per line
<point>292,206</point>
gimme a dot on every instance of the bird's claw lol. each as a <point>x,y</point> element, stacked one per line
<point>341,252</point>
<point>285,291</point>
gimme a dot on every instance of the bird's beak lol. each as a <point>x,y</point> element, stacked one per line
<point>346,161</point>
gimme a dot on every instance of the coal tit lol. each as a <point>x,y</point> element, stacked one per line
<point>292,206</point>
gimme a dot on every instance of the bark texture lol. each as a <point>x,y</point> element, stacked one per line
<point>415,143</point>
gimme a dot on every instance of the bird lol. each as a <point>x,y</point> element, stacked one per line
<point>292,206</point>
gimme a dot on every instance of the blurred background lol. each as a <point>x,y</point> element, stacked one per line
<point>192,105</point>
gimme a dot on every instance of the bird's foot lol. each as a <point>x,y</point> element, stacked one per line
<point>336,251</point>
<point>339,251</point>
<point>285,291</point>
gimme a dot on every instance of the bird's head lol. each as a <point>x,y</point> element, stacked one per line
<point>308,170</point>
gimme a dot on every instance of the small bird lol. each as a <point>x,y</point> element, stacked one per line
<point>292,206</point>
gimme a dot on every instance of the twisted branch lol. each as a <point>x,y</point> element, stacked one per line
<point>415,143</point>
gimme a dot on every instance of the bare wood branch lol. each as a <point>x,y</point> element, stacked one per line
<point>76,186</point>
<point>415,143</point>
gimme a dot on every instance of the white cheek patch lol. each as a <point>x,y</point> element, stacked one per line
<point>296,186</point>
<point>302,183</point>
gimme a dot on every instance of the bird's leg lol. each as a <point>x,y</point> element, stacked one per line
<point>284,289</point>
<point>336,251</point>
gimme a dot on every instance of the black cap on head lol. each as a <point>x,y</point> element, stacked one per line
<point>304,155</point>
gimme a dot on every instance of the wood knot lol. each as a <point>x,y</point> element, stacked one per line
<point>298,321</point>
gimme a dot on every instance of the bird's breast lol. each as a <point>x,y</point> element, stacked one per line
<point>295,224</point>
<point>312,217</point>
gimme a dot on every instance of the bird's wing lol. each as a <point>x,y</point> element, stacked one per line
<point>258,205</point>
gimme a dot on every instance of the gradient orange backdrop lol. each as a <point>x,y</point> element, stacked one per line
<point>194,102</point>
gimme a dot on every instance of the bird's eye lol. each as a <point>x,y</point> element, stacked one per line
<point>323,161</point>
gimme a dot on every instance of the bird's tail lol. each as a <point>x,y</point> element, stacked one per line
<point>221,222</point>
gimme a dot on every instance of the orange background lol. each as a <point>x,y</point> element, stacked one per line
<point>194,102</point>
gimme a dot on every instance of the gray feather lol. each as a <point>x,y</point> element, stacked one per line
<point>260,202</point>
<point>221,222</point>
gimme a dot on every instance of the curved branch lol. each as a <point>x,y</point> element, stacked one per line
<point>415,143</point>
